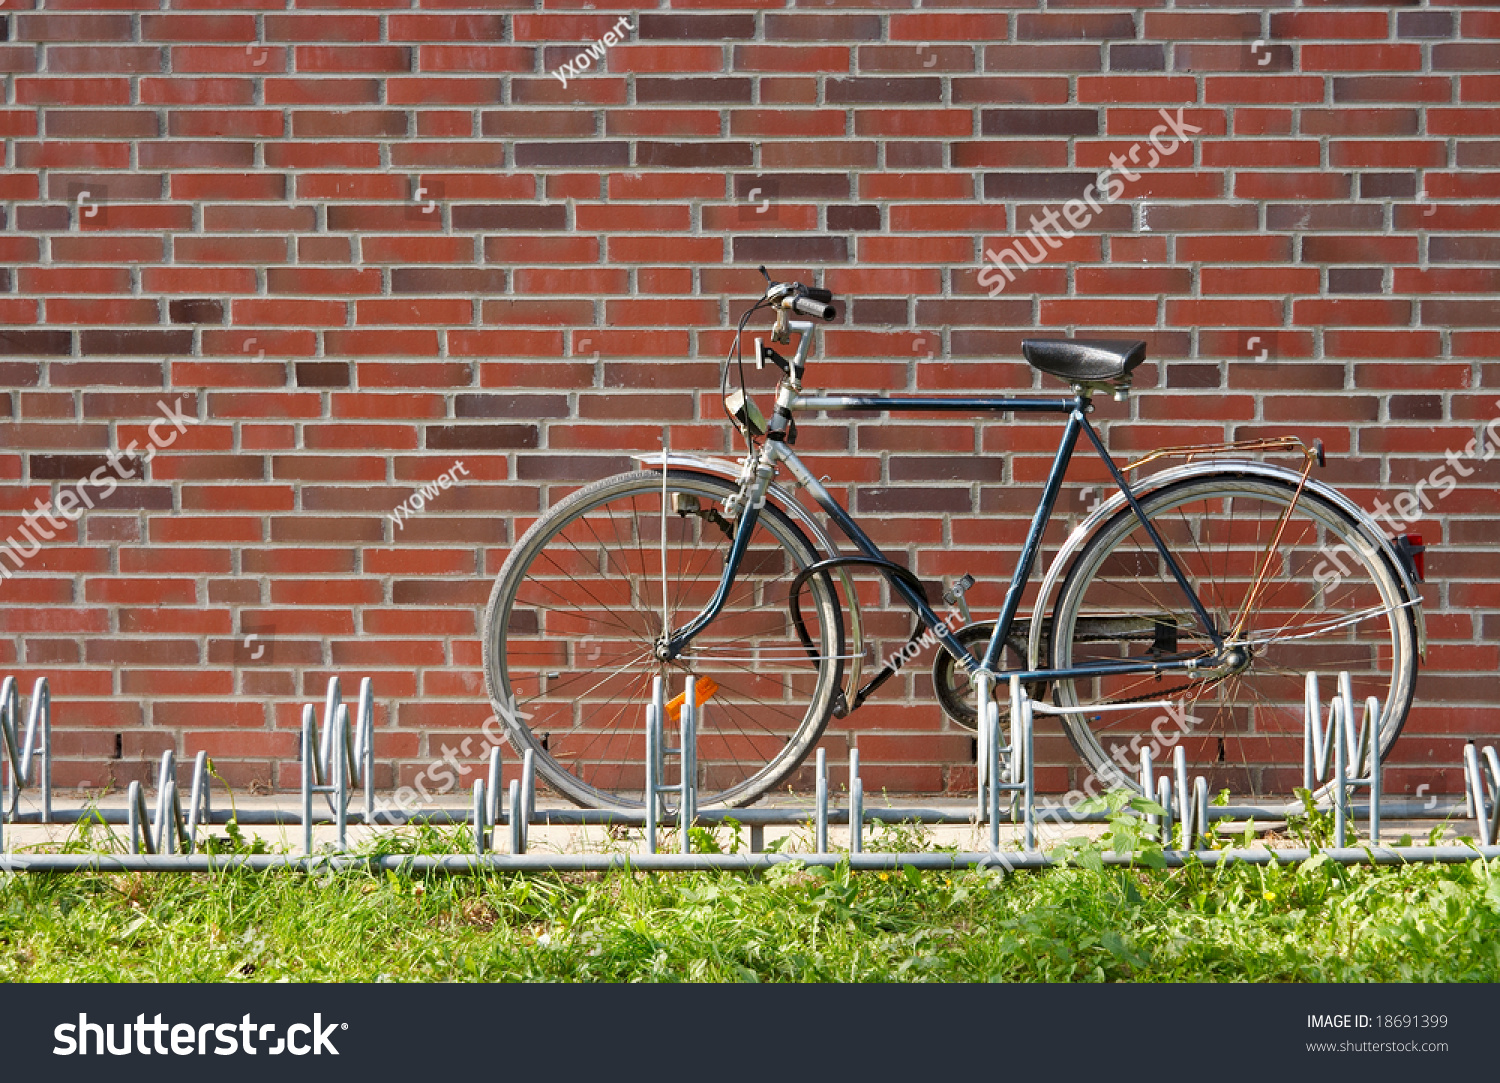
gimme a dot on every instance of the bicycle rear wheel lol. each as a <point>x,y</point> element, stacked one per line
<point>1329,603</point>
<point>576,613</point>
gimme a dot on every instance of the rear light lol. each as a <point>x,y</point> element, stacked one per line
<point>1413,555</point>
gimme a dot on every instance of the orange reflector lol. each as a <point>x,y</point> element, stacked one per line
<point>706,687</point>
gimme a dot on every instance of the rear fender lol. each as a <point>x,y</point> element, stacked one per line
<point>1249,468</point>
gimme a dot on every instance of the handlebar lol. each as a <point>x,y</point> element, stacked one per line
<point>803,300</point>
<point>808,306</point>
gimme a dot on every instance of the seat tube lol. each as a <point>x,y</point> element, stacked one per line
<point>1034,537</point>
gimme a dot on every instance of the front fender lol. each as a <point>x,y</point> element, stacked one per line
<point>1104,511</point>
<point>784,499</point>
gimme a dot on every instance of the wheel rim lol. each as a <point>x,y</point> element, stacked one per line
<point>1241,727</point>
<point>581,603</point>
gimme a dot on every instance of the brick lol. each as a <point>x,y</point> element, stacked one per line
<point>569,297</point>
<point>1031,26</point>
<point>1039,122</point>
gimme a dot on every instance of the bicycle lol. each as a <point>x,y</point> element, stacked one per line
<point>1210,583</point>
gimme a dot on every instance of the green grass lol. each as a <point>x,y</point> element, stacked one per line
<point>1314,922</point>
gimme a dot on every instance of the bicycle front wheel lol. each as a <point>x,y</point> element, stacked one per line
<point>1326,601</point>
<point>575,616</point>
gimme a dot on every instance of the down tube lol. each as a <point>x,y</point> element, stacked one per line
<point>1033,540</point>
<point>863,543</point>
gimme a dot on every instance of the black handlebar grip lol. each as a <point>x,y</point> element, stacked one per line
<point>818,294</point>
<point>809,307</point>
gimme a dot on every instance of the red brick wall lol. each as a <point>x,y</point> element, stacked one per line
<point>253,241</point>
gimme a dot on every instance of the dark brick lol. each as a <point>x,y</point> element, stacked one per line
<point>569,467</point>
<point>1067,59</point>
<point>1296,217</point>
<point>510,216</point>
<point>892,89</point>
<point>1049,186</point>
<point>1036,26</point>
<point>511,406</point>
<point>135,497</point>
<point>658,26</point>
<point>567,155</point>
<point>822,28</point>
<point>112,340</point>
<point>854,217</point>
<point>650,89</point>
<point>948,468</point>
<point>914,155</point>
<point>1203,217</point>
<point>48,219</point>
<point>915,501</point>
<point>322,373</point>
<point>694,155</point>
<point>484,437</point>
<point>1355,279</point>
<point>195,310</point>
<point>487,280</point>
<point>73,467</point>
<point>812,249</point>
<point>1473,249</point>
<point>1416,407</point>
<point>1402,89</point>
<point>1464,56</point>
<point>1193,376</point>
<point>1387,185</point>
<point>107,374</point>
<point>1137,57</point>
<point>869,311</point>
<point>18,343</point>
<point>794,185</point>
<point>20,373</point>
<point>1424,24</point>
<point>1039,122</point>
<point>1465,313</point>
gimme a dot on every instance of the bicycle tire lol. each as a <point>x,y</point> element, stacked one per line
<point>1251,743</point>
<point>579,596</point>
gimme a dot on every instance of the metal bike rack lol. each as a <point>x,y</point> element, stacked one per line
<point>1482,786</point>
<point>1005,765</point>
<point>26,755</point>
<point>340,758</point>
<point>686,753</point>
<point>1352,751</point>
<point>1189,810</point>
<point>169,830</point>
